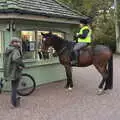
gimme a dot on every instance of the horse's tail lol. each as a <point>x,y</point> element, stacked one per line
<point>110,73</point>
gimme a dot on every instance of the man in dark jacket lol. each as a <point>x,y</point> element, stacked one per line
<point>13,66</point>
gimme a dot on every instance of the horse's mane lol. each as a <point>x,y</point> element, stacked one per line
<point>59,42</point>
<point>58,38</point>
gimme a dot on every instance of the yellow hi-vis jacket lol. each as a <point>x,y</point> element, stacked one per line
<point>88,38</point>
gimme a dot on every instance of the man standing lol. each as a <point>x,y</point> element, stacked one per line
<point>83,38</point>
<point>13,66</point>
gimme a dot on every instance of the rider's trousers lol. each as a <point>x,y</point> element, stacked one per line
<point>78,46</point>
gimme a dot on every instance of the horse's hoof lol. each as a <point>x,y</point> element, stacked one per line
<point>70,89</point>
<point>100,92</point>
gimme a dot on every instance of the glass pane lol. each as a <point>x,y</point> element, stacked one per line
<point>28,44</point>
<point>41,54</point>
<point>0,42</point>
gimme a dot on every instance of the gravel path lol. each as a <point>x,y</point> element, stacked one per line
<point>53,102</point>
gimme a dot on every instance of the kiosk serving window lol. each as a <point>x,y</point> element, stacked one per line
<point>31,46</point>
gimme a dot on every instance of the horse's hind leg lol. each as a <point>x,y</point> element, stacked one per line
<point>103,71</point>
<point>69,84</point>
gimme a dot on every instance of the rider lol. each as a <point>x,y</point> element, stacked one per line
<point>13,66</point>
<point>83,38</point>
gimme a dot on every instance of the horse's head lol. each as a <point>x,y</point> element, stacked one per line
<point>46,41</point>
<point>52,40</point>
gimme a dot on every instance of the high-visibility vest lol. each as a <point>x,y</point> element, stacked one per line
<point>88,38</point>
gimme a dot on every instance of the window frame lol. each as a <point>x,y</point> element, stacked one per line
<point>2,46</point>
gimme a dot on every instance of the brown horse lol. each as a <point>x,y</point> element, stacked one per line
<point>100,56</point>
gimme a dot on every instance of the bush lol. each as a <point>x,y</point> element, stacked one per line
<point>104,33</point>
<point>107,42</point>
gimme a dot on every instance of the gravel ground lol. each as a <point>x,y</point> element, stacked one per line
<point>53,102</point>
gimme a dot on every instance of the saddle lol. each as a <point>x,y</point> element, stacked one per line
<point>81,50</point>
<point>84,51</point>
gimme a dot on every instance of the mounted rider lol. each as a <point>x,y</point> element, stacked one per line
<point>83,38</point>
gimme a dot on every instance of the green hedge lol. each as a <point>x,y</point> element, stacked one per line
<point>105,34</point>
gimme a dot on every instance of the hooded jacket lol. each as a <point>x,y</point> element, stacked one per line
<point>12,63</point>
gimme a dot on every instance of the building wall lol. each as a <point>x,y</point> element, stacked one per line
<point>43,71</point>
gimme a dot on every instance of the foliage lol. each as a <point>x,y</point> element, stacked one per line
<point>105,34</point>
<point>88,7</point>
<point>118,10</point>
<point>103,18</point>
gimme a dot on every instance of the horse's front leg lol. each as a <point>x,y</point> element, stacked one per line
<point>69,84</point>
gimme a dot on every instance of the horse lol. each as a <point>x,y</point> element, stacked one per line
<point>100,56</point>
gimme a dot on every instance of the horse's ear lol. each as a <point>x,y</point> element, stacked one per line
<point>42,33</point>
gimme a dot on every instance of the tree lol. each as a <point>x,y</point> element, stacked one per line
<point>102,15</point>
<point>88,7</point>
